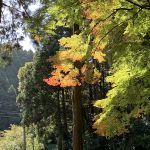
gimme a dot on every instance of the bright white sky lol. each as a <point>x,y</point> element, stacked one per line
<point>27,42</point>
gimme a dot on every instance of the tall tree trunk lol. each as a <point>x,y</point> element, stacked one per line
<point>64,112</point>
<point>65,126</point>
<point>32,137</point>
<point>77,107</point>
<point>91,99</point>
<point>77,119</point>
<point>38,134</point>
<point>59,124</point>
<point>24,137</point>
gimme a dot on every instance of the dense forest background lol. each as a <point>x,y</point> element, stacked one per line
<point>9,112</point>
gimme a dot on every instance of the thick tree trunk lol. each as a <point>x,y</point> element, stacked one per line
<point>77,119</point>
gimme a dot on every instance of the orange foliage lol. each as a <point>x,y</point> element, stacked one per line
<point>52,81</point>
<point>76,49</point>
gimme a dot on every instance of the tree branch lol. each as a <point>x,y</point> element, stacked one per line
<point>148,2</point>
<point>117,9</point>
<point>113,13</point>
<point>1,5</point>
<point>22,3</point>
<point>118,26</point>
<point>138,5</point>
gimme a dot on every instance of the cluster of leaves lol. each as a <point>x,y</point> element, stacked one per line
<point>129,96</point>
<point>129,75</point>
<point>73,66</point>
<point>5,54</point>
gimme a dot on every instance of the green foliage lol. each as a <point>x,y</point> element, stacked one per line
<point>54,14</point>
<point>130,93</point>
<point>35,98</point>
<point>12,139</point>
<point>129,74</point>
<point>5,54</point>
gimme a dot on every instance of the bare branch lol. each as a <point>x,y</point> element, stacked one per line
<point>1,5</point>
<point>117,9</point>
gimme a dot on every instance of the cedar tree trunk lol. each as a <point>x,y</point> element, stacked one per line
<point>77,119</point>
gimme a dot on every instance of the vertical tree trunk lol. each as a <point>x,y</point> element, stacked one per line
<point>64,112</point>
<point>24,137</point>
<point>32,137</point>
<point>1,5</point>
<point>65,126</point>
<point>77,119</point>
<point>91,99</point>
<point>76,107</point>
<point>91,109</point>
<point>38,135</point>
<point>59,124</point>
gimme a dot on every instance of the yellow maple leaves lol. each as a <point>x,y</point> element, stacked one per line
<point>72,64</point>
<point>73,48</point>
<point>98,55</point>
<point>90,73</point>
<point>79,48</point>
<point>110,126</point>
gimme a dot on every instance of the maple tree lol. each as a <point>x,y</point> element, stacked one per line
<point>74,64</point>
<point>72,68</point>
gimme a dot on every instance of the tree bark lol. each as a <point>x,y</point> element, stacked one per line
<point>64,112</point>
<point>91,99</point>
<point>24,137</point>
<point>65,126</point>
<point>32,137</point>
<point>59,124</point>
<point>77,119</point>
